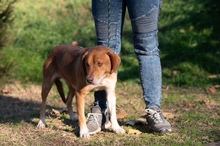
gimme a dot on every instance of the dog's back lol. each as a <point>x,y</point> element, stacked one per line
<point>63,60</point>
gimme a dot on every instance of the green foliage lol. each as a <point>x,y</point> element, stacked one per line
<point>6,19</point>
<point>190,41</point>
<point>39,27</point>
<point>188,36</point>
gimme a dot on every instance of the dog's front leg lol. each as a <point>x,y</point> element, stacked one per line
<point>81,114</point>
<point>112,108</point>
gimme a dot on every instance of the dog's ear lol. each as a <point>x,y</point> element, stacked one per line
<point>83,60</point>
<point>115,61</point>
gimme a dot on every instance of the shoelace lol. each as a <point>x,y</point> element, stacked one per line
<point>156,116</point>
<point>93,117</point>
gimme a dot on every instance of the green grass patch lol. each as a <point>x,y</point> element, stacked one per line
<point>188,37</point>
<point>189,47</point>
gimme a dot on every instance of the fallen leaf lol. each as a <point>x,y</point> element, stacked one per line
<point>122,115</point>
<point>124,83</point>
<point>212,90</point>
<point>168,115</point>
<point>56,112</point>
<point>190,105</point>
<point>132,131</point>
<point>4,91</point>
<point>205,101</point>
<point>165,87</point>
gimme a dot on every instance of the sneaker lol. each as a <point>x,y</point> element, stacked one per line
<point>94,120</point>
<point>157,121</point>
<point>105,121</point>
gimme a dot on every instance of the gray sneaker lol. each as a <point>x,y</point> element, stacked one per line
<point>94,120</point>
<point>105,121</point>
<point>157,121</point>
<point>97,120</point>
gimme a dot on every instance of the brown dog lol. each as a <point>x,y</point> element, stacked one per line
<point>83,70</point>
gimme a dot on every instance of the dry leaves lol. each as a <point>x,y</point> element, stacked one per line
<point>122,115</point>
<point>124,83</point>
<point>212,90</point>
<point>205,101</point>
<point>58,112</point>
<point>168,115</point>
<point>4,91</point>
<point>190,105</point>
<point>133,131</point>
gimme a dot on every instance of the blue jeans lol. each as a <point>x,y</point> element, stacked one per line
<point>144,16</point>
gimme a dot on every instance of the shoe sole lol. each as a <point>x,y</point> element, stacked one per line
<point>96,131</point>
<point>164,131</point>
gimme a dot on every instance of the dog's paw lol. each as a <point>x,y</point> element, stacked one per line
<point>41,124</point>
<point>84,133</point>
<point>119,130</point>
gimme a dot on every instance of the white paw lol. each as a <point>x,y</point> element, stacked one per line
<point>84,133</point>
<point>41,124</point>
<point>119,130</point>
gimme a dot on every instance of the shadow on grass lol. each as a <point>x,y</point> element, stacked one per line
<point>14,110</point>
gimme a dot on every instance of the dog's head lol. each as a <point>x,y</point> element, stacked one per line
<point>99,62</point>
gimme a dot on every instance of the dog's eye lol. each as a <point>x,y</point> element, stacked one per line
<point>100,64</point>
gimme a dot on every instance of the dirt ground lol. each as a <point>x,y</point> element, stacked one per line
<point>19,115</point>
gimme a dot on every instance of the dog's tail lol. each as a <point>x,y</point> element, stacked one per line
<point>60,89</point>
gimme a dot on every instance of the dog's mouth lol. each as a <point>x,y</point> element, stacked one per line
<point>94,81</point>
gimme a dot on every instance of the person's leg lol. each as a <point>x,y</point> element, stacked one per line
<point>144,16</point>
<point>108,19</point>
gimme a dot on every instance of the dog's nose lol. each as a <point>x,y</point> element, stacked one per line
<point>89,80</point>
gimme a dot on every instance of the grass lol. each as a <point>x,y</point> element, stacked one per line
<point>189,46</point>
<point>189,40</point>
<point>195,122</point>
<point>188,37</point>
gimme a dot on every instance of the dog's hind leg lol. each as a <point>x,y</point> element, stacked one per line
<point>71,94</point>
<point>46,86</point>
<point>60,89</point>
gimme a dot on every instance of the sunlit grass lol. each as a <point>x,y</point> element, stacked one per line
<point>188,42</point>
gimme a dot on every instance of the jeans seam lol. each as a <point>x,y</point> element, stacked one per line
<point>145,15</point>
